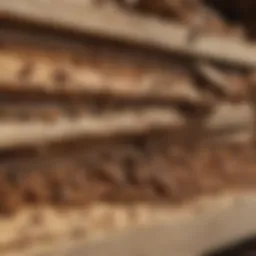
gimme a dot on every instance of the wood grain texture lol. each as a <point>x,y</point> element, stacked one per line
<point>226,120</point>
<point>198,227</point>
<point>111,23</point>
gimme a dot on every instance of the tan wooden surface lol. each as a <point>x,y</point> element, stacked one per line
<point>85,18</point>
<point>196,229</point>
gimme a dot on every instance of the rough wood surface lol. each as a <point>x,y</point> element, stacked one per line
<point>196,228</point>
<point>215,223</point>
<point>225,119</point>
<point>168,131</point>
<point>111,23</point>
<point>36,133</point>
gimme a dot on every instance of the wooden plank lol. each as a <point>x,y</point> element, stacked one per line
<point>224,122</point>
<point>15,134</point>
<point>109,22</point>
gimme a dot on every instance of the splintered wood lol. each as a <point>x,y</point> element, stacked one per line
<point>60,91</point>
<point>106,105</point>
